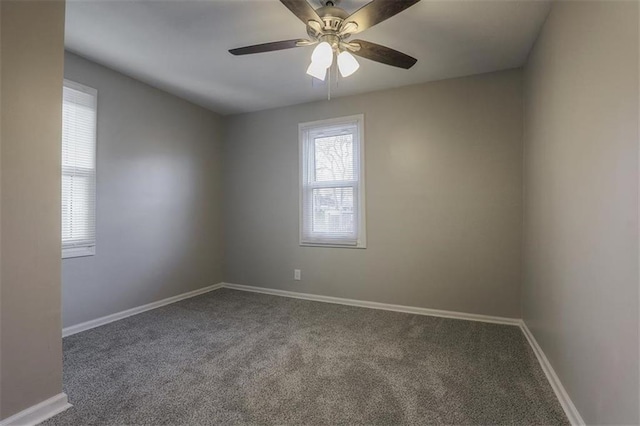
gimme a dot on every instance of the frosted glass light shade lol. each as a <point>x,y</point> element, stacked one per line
<point>347,64</point>
<point>318,71</point>
<point>323,55</point>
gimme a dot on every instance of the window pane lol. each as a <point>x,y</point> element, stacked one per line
<point>333,210</point>
<point>78,134</point>
<point>78,215</point>
<point>334,158</point>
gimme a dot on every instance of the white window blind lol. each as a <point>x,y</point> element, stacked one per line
<point>79,116</point>
<point>332,183</point>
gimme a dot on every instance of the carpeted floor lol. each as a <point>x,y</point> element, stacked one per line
<point>235,357</point>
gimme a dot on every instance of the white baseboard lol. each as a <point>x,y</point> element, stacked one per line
<point>68,331</point>
<point>39,412</point>
<point>567,405</point>
<point>376,305</point>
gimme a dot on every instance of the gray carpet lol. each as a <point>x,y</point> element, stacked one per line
<point>235,357</point>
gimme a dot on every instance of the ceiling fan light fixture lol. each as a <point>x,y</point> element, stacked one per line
<point>322,55</point>
<point>347,64</point>
<point>317,70</point>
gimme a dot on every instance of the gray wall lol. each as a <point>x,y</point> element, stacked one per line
<point>158,202</point>
<point>444,198</point>
<point>31,49</point>
<point>580,292</point>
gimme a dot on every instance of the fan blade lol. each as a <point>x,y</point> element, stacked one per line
<point>268,47</point>
<point>377,11</point>
<point>302,10</point>
<point>382,54</point>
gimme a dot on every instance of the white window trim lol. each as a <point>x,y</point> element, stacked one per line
<point>83,251</point>
<point>361,242</point>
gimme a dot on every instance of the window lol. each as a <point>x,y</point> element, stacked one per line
<point>332,183</point>
<point>78,170</point>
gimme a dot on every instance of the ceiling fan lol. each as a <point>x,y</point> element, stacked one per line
<point>330,27</point>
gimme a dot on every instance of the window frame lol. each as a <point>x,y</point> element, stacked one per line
<point>84,250</point>
<point>304,144</point>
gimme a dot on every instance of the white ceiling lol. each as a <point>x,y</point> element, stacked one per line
<point>181,46</point>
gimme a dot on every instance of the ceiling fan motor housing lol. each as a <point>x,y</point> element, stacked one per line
<point>332,19</point>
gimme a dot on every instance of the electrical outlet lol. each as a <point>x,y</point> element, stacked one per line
<point>296,274</point>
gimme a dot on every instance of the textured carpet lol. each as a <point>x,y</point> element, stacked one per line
<point>235,357</point>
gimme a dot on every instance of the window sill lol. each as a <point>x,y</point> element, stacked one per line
<point>78,252</point>
<point>360,246</point>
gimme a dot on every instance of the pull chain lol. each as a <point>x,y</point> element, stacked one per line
<point>329,84</point>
